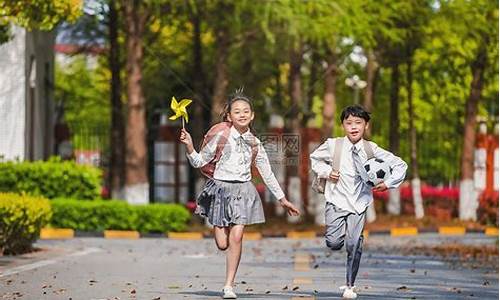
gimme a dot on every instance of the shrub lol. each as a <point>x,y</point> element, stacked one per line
<point>100,215</point>
<point>51,179</point>
<point>21,218</point>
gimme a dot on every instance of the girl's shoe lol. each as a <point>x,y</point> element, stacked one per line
<point>348,292</point>
<point>228,293</point>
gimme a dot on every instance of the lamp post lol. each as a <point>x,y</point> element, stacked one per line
<point>356,84</point>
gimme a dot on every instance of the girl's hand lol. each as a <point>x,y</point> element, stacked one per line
<point>380,187</point>
<point>186,139</point>
<point>334,176</point>
<point>290,208</point>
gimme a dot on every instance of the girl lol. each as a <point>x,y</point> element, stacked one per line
<point>229,200</point>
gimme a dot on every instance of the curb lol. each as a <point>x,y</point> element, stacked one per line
<point>66,233</point>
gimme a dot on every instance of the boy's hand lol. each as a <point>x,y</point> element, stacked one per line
<point>334,176</point>
<point>291,209</point>
<point>186,139</point>
<point>380,187</point>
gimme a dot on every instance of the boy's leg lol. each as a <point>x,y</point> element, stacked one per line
<point>354,245</point>
<point>335,221</point>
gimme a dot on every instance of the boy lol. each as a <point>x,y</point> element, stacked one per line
<point>347,195</point>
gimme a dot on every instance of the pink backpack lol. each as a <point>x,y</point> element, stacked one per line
<point>225,127</point>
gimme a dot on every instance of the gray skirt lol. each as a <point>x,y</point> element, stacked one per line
<point>229,203</point>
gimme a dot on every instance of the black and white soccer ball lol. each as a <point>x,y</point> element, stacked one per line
<point>377,171</point>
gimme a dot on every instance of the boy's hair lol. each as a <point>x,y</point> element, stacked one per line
<point>355,111</point>
<point>237,95</point>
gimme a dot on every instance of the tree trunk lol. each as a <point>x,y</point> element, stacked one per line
<point>468,196</point>
<point>201,104</point>
<point>372,68</point>
<point>137,186</point>
<point>313,77</point>
<point>221,74</point>
<point>415,181</point>
<point>329,101</point>
<point>295,88</point>
<point>116,176</point>
<point>394,204</point>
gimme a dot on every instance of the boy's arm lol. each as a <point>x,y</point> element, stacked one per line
<point>262,164</point>
<point>397,165</point>
<point>321,159</point>
<point>198,160</point>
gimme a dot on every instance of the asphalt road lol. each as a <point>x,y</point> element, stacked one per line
<point>272,268</point>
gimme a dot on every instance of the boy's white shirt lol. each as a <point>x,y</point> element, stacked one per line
<point>344,194</point>
<point>236,165</point>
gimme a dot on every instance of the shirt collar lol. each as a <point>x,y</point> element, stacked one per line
<point>358,145</point>
<point>235,133</point>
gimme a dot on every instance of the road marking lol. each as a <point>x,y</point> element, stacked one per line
<point>46,262</point>
<point>295,235</point>
<point>56,233</point>
<point>121,234</point>
<point>302,261</point>
<point>185,235</point>
<point>252,236</point>
<point>491,231</point>
<point>302,280</point>
<point>403,231</point>
<point>451,230</point>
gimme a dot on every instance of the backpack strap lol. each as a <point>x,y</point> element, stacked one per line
<point>368,149</point>
<point>339,142</point>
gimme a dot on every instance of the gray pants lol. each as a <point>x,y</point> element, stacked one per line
<point>344,226</point>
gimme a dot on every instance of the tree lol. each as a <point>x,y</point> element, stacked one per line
<point>136,14</point>
<point>37,14</point>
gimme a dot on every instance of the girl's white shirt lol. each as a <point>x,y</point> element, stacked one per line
<point>236,159</point>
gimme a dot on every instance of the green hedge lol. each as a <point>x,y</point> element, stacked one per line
<point>100,215</point>
<point>21,218</point>
<point>51,179</point>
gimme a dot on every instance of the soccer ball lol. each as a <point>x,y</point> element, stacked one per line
<point>377,171</point>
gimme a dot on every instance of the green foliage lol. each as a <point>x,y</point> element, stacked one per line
<point>50,179</point>
<point>36,14</point>
<point>40,14</point>
<point>100,215</point>
<point>21,218</point>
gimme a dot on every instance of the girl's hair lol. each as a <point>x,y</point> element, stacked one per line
<point>355,111</point>
<point>236,96</point>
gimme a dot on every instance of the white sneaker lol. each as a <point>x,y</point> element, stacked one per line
<point>228,293</point>
<point>348,292</point>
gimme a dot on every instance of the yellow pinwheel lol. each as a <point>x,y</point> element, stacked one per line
<point>179,109</point>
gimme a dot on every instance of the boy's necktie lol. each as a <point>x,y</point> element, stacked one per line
<point>358,165</point>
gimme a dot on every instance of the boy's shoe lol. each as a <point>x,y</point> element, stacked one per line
<point>348,292</point>
<point>227,293</point>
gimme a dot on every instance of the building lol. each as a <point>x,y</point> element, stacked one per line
<point>26,95</point>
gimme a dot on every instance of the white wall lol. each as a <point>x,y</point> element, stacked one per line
<point>12,96</point>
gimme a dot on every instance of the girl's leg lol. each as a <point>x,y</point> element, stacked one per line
<point>221,235</point>
<point>234,253</point>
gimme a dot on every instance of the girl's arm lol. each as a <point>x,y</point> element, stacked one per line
<point>262,164</point>
<point>198,160</point>
<point>321,159</point>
